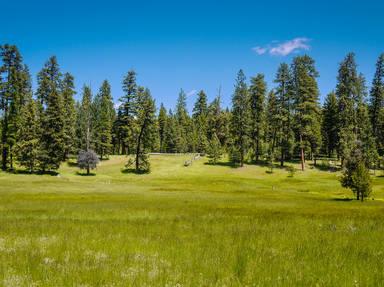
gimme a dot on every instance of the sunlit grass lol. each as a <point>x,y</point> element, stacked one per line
<point>200,225</point>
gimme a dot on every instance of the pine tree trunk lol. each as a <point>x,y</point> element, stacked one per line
<point>138,147</point>
<point>87,169</point>
<point>4,136</point>
<point>282,157</point>
<point>4,158</point>
<point>257,150</point>
<point>302,153</point>
<point>11,160</point>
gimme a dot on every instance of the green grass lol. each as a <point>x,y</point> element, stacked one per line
<point>188,226</point>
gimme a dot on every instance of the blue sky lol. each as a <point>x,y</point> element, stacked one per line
<point>192,44</point>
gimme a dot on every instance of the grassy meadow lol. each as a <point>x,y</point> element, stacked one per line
<point>200,225</point>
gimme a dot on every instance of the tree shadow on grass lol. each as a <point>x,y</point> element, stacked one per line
<point>134,171</point>
<point>85,173</point>
<point>323,167</point>
<point>341,199</point>
<point>27,172</point>
<point>221,163</point>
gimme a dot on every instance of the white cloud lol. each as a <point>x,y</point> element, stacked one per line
<point>191,93</point>
<point>260,50</point>
<point>284,48</point>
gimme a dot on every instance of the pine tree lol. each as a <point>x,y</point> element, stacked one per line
<point>84,127</point>
<point>199,116</point>
<point>284,112</point>
<point>329,127</point>
<point>377,102</point>
<point>307,108</point>
<point>146,132</point>
<point>14,87</point>
<point>273,130</point>
<point>257,92</point>
<point>51,112</point>
<point>355,174</point>
<point>68,92</point>
<point>26,149</point>
<point>171,134</point>
<point>364,135</point>
<point>162,122</point>
<point>240,122</point>
<point>103,125</point>
<point>184,128</point>
<point>127,113</point>
<point>117,137</point>
<point>347,97</point>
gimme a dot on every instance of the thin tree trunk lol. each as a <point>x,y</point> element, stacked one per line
<point>11,160</point>
<point>4,157</point>
<point>257,150</point>
<point>282,157</point>
<point>138,147</point>
<point>4,137</point>
<point>302,153</point>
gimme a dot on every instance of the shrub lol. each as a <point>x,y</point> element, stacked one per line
<point>291,170</point>
<point>87,160</point>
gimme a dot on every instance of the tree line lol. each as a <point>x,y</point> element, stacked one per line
<point>41,129</point>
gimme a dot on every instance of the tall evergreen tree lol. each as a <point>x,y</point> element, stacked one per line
<point>127,112</point>
<point>14,87</point>
<point>183,121</point>
<point>171,134</point>
<point>52,143</point>
<point>85,120</point>
<point>284,113</point>
<point>162,122</point>
<point>307,108</point>
<point>68,92</point>
<point>377,103</point>
<point>240,123</point>
<point>199,116</point>
<point>329,127</point>
<point>347,97</point>
<point>273,129</point>
<point>257,92</point>
<point>146,129</point>
<point>103,125</point>
<point>27,146</point>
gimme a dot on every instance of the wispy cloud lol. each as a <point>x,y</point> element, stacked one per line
<point>283,48</point>
<point>191,93</point>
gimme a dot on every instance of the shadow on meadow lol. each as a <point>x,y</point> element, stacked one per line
<point>223,163</point>
<point>27,172</point>
<point>133,171</point>
<point>85,173</point>
<point>341,199</point>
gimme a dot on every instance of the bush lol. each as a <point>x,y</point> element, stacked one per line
<point>356,175</point>
<point>214,151</point>
<point>270,163</point>
<point>143,164</point>
<point>291,170</point>
<point>87,160</point>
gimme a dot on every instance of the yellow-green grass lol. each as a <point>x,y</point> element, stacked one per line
<point>200,225</point>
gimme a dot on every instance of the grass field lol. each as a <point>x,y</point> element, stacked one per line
<point>188,226</point>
